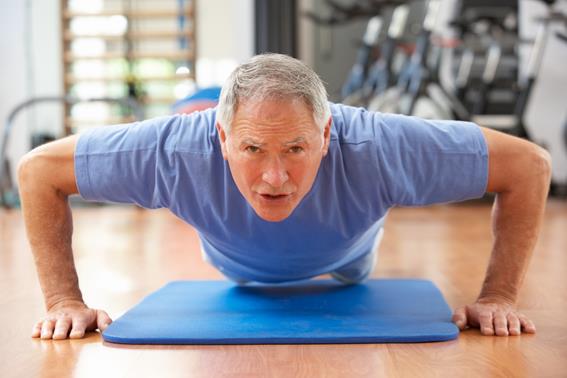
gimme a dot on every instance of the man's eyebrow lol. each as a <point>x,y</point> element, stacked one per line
<point>296,141</point>
<point>251,141</point>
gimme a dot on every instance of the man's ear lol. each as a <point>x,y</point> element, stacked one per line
<point>222,138</point>
<point>327,136</point>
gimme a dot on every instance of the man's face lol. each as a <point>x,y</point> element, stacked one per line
<point>274,149</point>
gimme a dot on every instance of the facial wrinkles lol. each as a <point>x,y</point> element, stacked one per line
<point>280,131</point>
<point>276,134</point>
<point>274,176</point>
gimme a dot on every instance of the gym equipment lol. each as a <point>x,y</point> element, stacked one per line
<point>489,37</point>
<point>380,14</point>
<point>520,87</point>
<point>359,70</point>
<point>485,88</point>
<point>344,13</point>
<point>381,75</point>
<point>527,81</point>
<point>302,312</point>
<point>8,191</point>
<point>417,82</point>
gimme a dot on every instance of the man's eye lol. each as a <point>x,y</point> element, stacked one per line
<point>252,149</point>
<point>296,149</point>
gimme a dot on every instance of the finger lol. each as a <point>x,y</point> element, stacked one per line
<point>460,317</point>
<point>47,329</point>
<point>513,324</point>
<point>78,329</point>
<point>500,324</point>
<point>527,325</point>
<point>102,320</point>
<point>62,328</point>
<point>36,330</point>
<point>485,323</point>
<point>76,333</point>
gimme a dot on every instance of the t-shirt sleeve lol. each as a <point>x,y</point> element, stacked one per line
<point>129,163</point>
<point>425,162</point>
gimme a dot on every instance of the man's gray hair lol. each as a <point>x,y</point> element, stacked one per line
<point>274,77</point>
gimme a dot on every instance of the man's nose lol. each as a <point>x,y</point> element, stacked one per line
<point>275,172</point>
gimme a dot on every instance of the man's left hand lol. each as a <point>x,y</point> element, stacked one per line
<point>493,317</point>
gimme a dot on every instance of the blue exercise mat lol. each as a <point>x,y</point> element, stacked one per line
<point>304,312</point>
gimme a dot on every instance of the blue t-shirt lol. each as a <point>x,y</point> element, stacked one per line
<point>375,161</point>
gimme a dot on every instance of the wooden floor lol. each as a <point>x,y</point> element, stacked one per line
<point>123,253</point>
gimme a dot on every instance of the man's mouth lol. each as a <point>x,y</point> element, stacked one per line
<point>274,197</point>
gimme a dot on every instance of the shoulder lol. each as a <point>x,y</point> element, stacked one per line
<point>179,132</point>
<point>197,132</point>
<point>356,125</point>
<point>353,125</point>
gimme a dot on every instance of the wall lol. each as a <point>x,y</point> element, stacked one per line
<point>30,51</point>
<point>225,38</point>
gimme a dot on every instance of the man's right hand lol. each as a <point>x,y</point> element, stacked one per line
<point>46,178</point>
<point>71,319</point>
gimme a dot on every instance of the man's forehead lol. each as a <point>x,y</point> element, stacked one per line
<point>271,111</point>
<point>274,122</point>
<point>259,104</point>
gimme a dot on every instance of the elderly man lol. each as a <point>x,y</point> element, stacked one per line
<point>282,185</point>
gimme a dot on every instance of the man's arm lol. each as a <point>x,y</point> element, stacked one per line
<point>519,174</point>
<point>46,178</point>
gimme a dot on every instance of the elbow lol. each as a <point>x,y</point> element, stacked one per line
<point>540,167</point>
<point>44,169</point>
<point>28,168</point>
<point>544,164</point>
<point>24,168</point>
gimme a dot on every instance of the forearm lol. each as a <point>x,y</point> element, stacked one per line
<point>49,227</point>
<point>516,223</point>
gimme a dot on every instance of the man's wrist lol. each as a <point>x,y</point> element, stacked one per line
<point>57,301</point>
<point>491,295</point>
